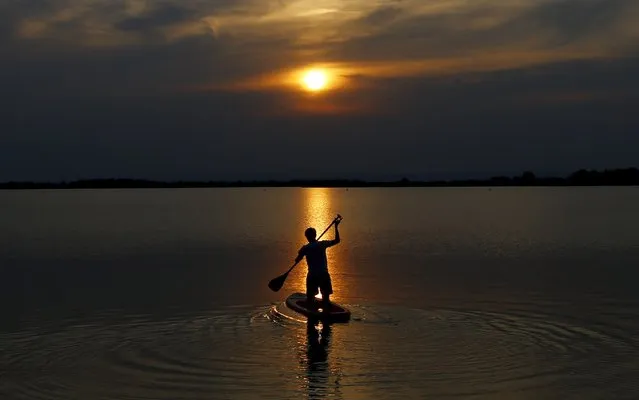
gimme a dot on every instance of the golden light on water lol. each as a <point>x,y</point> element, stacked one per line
<point>318,212</point>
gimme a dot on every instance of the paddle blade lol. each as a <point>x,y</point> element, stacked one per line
<point>276,283</point>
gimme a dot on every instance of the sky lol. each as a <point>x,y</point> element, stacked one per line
<point>212,89</point>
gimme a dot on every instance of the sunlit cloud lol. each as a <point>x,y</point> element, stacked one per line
<point>107,83</point>
<point>353,75</point>
<point>376,39</point>
<point>422,28</point>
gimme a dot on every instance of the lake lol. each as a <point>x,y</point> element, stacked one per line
<point>469,293</point>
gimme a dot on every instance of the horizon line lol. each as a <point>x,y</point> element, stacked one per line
<point>581,177</point>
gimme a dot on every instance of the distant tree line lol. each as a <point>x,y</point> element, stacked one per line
<point>582,177</point>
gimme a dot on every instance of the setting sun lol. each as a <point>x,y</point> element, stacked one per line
<point>315,80</point>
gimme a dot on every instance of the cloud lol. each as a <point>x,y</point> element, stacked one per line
<point>381,16</point>
<point>249,45</point>
<point>105,88</point>
<point>575,20</point>
<point>496,25</point>
<point>493,121</point>
<point>106,23</point>
<point>159,17</point>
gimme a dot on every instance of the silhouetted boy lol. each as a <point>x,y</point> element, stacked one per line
<point>318,275</point>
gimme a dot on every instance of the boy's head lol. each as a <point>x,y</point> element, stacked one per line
<point>310,234</point>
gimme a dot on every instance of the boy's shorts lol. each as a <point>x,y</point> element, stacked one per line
<point>323,282</point>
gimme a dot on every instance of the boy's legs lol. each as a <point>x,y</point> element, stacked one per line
<point>326,302</point>
<point>326,287</point>
<point>311,291</point>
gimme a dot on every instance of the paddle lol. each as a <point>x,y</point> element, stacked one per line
<point>276,283</point>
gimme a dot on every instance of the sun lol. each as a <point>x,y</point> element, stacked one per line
<point>315,80</point>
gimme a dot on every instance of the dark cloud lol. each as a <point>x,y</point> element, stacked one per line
<point>97,72</point>
<point>573,20</point>
<point>139,108</point>
<point>159,17</point>
<point>382,15</point>
<point>546,25</point>
<point>474,124</point>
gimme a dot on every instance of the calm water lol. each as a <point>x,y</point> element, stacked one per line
<point>509,293</point>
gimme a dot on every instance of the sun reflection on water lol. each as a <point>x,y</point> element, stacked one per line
<point>318,212</point>
<point>320,379</point>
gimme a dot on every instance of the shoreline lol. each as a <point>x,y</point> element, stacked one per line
<point>616,177</point>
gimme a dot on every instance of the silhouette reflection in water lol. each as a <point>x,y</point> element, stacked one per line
<point>318,373</point>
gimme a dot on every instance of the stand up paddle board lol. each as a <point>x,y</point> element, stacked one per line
<point>337,313</point>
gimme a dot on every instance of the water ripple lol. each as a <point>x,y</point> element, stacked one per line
<point>270,352</point>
